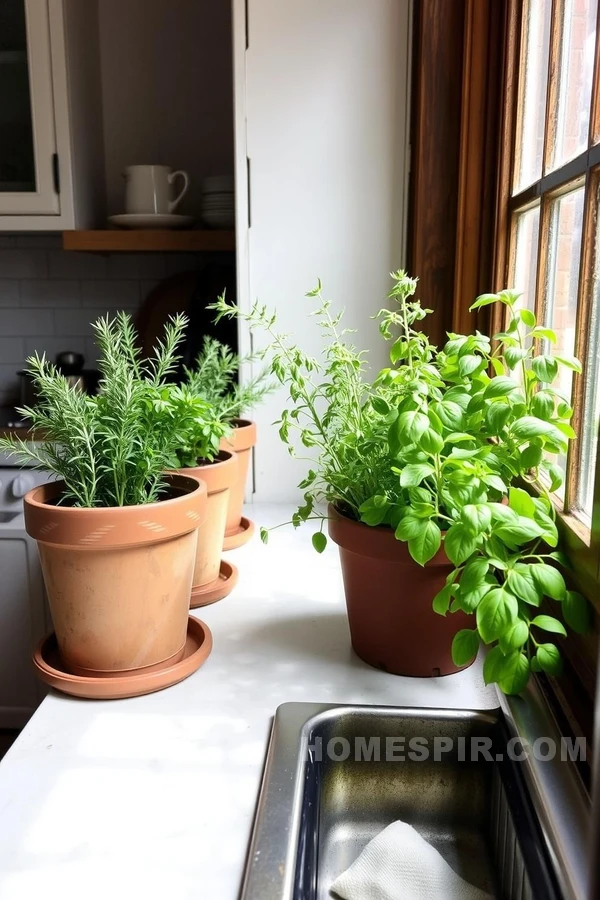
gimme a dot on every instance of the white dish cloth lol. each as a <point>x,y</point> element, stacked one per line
<point>399,864</point>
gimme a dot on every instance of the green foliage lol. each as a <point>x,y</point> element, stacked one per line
<point>436,447</point>
<point>214,378</point>
<point>112,449</point>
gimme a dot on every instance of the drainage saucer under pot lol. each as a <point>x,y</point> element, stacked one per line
<point>51,670</point>
<point>216,590</point>
<point>240,535</point>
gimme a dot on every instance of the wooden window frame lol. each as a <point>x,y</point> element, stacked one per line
<point>581,544</point>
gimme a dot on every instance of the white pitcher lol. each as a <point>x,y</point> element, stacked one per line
<point>149,189</point>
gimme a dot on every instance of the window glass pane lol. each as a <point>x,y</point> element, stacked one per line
<point>532,91</point>
<point>591,402</point>
<point>17,169</point>
<point>571,119</point>
<point>559,309</point>
<point>524,275</point>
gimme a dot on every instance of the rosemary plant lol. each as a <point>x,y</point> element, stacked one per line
<point>214,378</point>
<point>112,449</point>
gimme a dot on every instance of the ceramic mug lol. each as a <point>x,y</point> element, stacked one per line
<point>149,189</point>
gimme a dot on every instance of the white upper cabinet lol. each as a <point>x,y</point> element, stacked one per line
<point>50,115</point>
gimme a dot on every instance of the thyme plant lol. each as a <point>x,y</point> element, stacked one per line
<point>440,447</point>
<point>112,449</point>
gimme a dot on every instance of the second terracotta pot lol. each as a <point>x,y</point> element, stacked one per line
<point>220,477</point>
<point>389,600</point>
<point>241,441</point>
<point>118,578</point>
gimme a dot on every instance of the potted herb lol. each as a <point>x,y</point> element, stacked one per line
<point>420,469</point>
<point>117,537</point>
<point>215,378</point>
<point>200,456</point>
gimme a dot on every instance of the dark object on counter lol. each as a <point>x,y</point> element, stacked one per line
<point>69,362</point>
<point>190,293</point>
<point>27,391</point>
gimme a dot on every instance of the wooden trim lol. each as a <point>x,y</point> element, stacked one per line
<point>478,161</point>
<point>553,85</point>
<point>113,241</point>
<point>594,136</point>
<point>508,104</point>
<point>435,156</point>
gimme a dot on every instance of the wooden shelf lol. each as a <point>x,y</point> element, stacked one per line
<point>130,241</point>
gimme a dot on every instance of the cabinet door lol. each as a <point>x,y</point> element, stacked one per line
<point>27,142</point>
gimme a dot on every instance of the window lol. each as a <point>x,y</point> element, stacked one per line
<point>548,227</point>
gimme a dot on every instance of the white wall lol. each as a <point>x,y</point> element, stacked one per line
<point>167,89</point>
<point>324,86</point>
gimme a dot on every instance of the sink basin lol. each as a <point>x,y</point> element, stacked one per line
<point>335,777</point>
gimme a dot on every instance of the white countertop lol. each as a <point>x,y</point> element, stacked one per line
<point>154,797</point>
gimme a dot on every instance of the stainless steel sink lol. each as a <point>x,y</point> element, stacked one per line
<point>326,792</point>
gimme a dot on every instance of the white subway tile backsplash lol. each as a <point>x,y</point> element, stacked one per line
<point>49,297</point>
<point>24,322</point>
<point>51,294</point>
<point>9,292</point>
<point>8,378</point>
<point>136,265</point>
<point>68,264</point>
<point>23,264</point>
<point>11,350</point>
<point>111,294</point>
<point>51,346</point>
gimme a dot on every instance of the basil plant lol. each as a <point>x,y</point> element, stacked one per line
<point>457,447</point>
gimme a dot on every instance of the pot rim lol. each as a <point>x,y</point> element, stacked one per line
<point>374,541</point>
<point>218,474</point>
<point>111,527</point>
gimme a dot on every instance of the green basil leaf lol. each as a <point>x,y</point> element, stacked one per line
<point>459,543</point>
<point>464,647</point>
<point>496,417</point>
<point>521,502</point>
<point>477,516</point>
<point>469,600</point>
<point>549,623</point>
<point>513,356</point>
<point>424,545</point>
<point>527,317</point>
<point>441,601</point>
<point>531,457</point>
<point>450,413</point>
<point>548,656</point>
<point>545,368</point>
<point>410,426</point>
<point>469,363</point>
<point>542,405</point>
<point>503,515</point>
<point>531,427</point>
<point>570,363</point>
<point>500,386</point>
<point>496,613</point>
<point>414,473</point>
<point>487,300</point>
<point>473,574</point>
<point>515,637</point>
<point>514,674</point>
<point>380,406</point>
<point>546,333</point>
<point>577,613</point>
<point>408,527</point>
<point>523,584</point>
<point>431,442</point>
<point>493,665</point>
<point>522,532</point>
<point>319,541</point>
<point>549,581</point>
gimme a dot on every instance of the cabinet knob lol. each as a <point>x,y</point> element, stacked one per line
<point>21,484</point>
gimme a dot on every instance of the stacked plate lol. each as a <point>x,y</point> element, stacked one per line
<point>218,201</point>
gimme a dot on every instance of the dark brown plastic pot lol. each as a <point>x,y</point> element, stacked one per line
<point>388,595</point>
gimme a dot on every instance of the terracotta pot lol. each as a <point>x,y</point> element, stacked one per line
<point>241,440</point>
<point>388,595</point>
<point>118,579</point>
<point>219,477</point>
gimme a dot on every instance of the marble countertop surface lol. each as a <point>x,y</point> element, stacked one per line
<point>154,797</point>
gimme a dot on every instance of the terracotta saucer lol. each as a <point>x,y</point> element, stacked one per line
<point>240,535</point>
<point>218,589</point>
<point>50,669</point>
